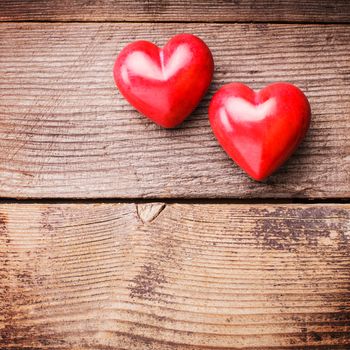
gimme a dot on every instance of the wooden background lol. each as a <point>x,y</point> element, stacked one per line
<point>117,234</point>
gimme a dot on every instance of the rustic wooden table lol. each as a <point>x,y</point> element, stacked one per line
<point>117,234</point>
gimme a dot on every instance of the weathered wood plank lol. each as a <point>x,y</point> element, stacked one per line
<point>181,10</point>
<point>96,276</point>
<point>67,132</point>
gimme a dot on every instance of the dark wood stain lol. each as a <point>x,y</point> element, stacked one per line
<point>147,282</point>
<point>282,229</point>
<point>3,222</point>
<point>3,228</point>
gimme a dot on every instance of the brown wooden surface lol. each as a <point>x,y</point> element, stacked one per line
<point>181,10</point>
<point>67,132</point>
<point>180,276</point>
<point>157,276</point>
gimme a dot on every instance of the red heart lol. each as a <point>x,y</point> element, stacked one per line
<point>259,130</point>
<point>165,84</point>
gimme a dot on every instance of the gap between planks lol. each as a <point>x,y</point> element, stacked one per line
<point>330,23</point>
<point>242,201</point>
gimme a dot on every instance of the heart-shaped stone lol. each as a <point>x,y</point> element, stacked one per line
<point>165,84</point>
<point>259,130</point>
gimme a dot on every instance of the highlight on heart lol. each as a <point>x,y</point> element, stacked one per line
<point>165,84</point>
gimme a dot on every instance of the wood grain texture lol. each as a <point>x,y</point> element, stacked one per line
<point>181,10</point>
<point>67,132</point>
<point>95,276</point>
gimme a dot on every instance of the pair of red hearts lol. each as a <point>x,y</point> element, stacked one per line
<point>258,130</point>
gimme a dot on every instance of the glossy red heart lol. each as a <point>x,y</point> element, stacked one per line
<point>259,130</point>
<point>165,84</point>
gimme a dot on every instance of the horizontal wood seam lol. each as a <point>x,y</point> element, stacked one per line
<point>330,23</point>
<point>252,201</point>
